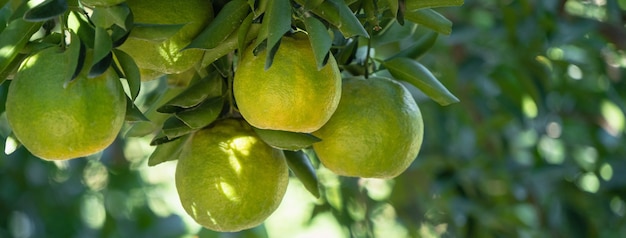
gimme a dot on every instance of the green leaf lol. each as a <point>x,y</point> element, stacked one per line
<point>105,17</point>
<point>230,44</point>
<point>101,51</point>
<point>130,71</point>
<point>4,91</point>
<point>12,40</point>
<point>337,13</point>
<point>174,127</point>
<point>412,5</point>
<point>202,115</point>
<point>303,170</point>
<point>413,72</point>
<point>225,23</point>
<point>276,22</point>
<point>168,151</point>
<point>320,40</point>
<point>46,10</point>
<point>79,24</point>
<point>208,87</point>
<point>312,4</point>
<point>118,35</point>
<point>286,140</point>
<point>101,66</point>
<point>242,32</point>
<point>154,32</point>
<point>75,53</point>
<point>393,7</point>
<point>133,114</point>
<point>11,69</point>
<point>421,46</point>
<point>430,19</point>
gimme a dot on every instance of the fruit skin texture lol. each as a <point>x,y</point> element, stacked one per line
<point>292,95</point>
<point>165,57</point>
<point>228,179</point>
<point>57,122</point>
<point>376,132</point>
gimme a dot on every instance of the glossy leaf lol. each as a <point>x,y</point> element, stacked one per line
<point>208,87</point>
<point>79,24</point>
<point>174,127</point>
<point>154,32</point>
<point>168,151</point>
<point>312,4</point>
<point>101,66</point>
<point>412,5</point>
<point>46,10</point>
<point>286,140</point>
<point>430,19</point>
<point>133,114</point>
<point>105,17</point>
<point>337,13</point>
<point>421,46</point>
<point>13,39</point>
<point>320,40</point>
<point>230,44</point>
<point>242,32</point>
<point>118,35</point>
<point>130,70</point>
<point>203,114</point>
<point>276,22</point>
<point>413,72</point>
<point>225,23</point>
<point>75,53</point>
<point>102,49</point>
<point>303,170</point>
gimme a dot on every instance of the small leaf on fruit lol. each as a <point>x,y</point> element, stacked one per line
<point>225,23</point>
<point>210,86</point>
<point>320,40</point>
<point>168,151</point>
<point>276,22</point>
<point>133,114</point>
<point>101,51</point>
<point>130,70</point>
<point>339,14</point>
<point>202,115</point>
<point>301,167</point>
<point>101,66</point>
<point>286,140</point>
<point>413,72</point>
<point>174,127</point>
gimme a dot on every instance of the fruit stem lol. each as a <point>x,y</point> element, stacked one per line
<point>63,31</point>
<point>367,54</point>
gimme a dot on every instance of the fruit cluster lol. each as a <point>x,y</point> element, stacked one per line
<point>256,100</point>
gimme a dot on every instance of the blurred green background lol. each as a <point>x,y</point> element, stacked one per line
<point>535,148</point>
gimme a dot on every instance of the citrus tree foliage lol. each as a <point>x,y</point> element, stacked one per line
<point>534,148</point>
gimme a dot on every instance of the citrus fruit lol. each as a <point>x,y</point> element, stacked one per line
<point>101,3</point>
<point>292,95</point>
<point>166,56</point>
<point>56,119</point>
<point>376,131</point>
<point>228,179</point>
